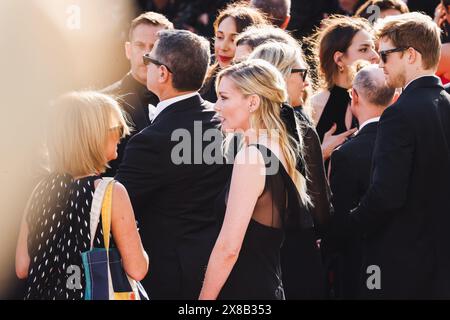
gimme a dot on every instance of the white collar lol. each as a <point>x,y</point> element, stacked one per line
<point>155,111</point>
<point>365,123</point>
<point>428,75</point>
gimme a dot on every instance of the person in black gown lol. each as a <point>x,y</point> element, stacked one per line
<point>303,271</point>
<point>265,190</point>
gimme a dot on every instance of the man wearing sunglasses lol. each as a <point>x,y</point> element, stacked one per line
<point>173,200</point>
<point>134,97</point>
<point>405,214</point>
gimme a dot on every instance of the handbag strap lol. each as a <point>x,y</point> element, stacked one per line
<point>106,214</point>
<point>96,207</point>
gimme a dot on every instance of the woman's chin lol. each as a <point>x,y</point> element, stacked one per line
<point>112,157</point>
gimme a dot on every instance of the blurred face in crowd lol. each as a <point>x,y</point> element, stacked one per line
<point>348,5</point>
<point>362,47</point>
<point>224,45</point>
<point>143,39</point>
<point>296,85</point>
<point>394,68</point>
<point>242,52</point>
<point>232,106</point>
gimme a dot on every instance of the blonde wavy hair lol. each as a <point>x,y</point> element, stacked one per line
<point>284,57</point>
<point>259,77</point>
<point>77,132</point>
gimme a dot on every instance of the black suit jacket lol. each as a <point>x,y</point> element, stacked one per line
<point>405,215</point>
<point>134,99</point>
<point>447,87</point>
<point>349,181</point>
<point>174,203</point>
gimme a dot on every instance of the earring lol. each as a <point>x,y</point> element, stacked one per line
<point>341,69</point>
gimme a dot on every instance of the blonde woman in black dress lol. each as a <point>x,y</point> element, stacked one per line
<point>264,191</point>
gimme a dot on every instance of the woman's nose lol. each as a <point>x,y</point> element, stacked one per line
<point>225,45</point>
<point>375,58</point>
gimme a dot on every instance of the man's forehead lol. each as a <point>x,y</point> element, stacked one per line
<point>385,43</point>
<point>146,32</point>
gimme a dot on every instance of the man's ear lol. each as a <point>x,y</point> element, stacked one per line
<point>286,23</point>
<point>128,50</point>
<point>163,75</point>
<point>413,55</point>
<point>355,97</point>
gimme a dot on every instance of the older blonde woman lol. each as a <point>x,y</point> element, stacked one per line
<point>83,133</point>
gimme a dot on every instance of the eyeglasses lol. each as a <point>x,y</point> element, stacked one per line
<point>384,54</point>
<point>304,72</point>
<point>148,60</point>
<point>119,129</point>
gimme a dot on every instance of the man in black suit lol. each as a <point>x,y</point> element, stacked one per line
<point>351,164</point>
<point>169,173</point>
<point>405,214</point>
<point>131,91</point>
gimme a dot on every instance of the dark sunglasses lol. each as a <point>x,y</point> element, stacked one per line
<point>304,72</point>
<point>148,60</point>
<point>384,54</point>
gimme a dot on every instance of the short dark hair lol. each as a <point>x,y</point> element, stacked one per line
<point>242,14</point>
<point>376,92</point>
<point>276,10</point>
<point>149,18</point>
<point>187,55</point>
<point>399,5</point>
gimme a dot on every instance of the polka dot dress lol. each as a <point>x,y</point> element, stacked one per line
<point>58,223</point>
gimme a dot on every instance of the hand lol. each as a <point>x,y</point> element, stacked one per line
<point>331,142</point>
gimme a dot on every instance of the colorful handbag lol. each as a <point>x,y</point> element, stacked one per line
<point>105,277</point>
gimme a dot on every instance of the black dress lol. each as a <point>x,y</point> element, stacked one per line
<point>334,112</point>
<point>257,272</point>
<point>304,275</point>
<point>58,222</point>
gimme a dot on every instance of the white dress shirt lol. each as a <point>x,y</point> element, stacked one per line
<point>365,123</point>
<point>428,75</point>
<point>153,111</point>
